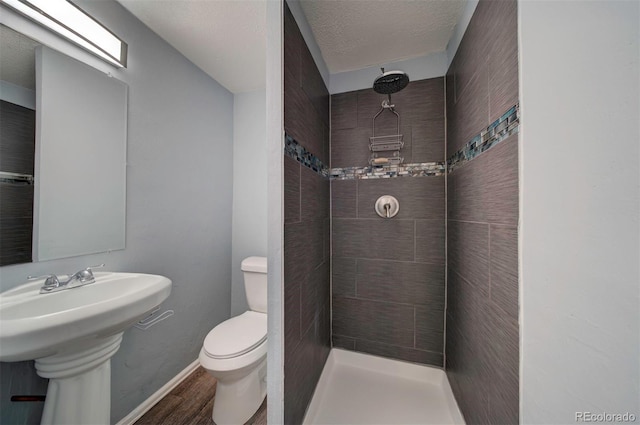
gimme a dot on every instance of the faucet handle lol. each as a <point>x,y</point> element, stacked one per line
<point>99,266</point>
<point>40,277</point>
<point>88,272</point>
<point>51,280</point>
<point>85,275</point>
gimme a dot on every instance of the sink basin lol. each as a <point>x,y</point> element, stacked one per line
<point>34,325</point>
<point>73,334</point>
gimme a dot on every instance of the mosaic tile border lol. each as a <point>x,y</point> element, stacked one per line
<point>389,171</point>
<point>497,131</point>
<point>500,129</point>
<point>298,152</point>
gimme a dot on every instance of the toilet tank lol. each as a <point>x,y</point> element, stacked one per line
<point>254,270</point>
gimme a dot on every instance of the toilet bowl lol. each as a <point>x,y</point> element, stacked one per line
<point>235,352</point>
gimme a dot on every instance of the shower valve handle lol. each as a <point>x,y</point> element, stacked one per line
<point>387,206</point>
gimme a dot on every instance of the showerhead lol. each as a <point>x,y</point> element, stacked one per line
<point>390,82</point>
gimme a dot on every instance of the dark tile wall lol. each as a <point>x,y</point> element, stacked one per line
<point>482,218</point>
<point>17,151</point>
<point>306,240</point>
<point>388,274</point>
<point>421,109</point>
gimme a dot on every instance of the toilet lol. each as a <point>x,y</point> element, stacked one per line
<point>235,352</point>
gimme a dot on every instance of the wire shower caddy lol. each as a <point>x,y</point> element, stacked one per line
<point>385,150</point>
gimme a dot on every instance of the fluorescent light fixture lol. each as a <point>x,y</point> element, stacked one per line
<point>71,22</point>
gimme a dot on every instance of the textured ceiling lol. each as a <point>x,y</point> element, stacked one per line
<point>18,63</point>
<point>355,34</point>
<point>225,38</point>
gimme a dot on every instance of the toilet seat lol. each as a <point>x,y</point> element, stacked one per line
<point>236,336</point>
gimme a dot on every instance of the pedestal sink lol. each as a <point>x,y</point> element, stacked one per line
<point>72,335</point>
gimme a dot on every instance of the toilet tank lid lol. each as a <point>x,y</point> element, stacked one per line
<point>254,264</point>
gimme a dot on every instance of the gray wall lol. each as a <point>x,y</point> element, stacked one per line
<point>306,227</point>
<point>275,213</point>
<point>179,197</point>
<point>580,235</point>
<point>482,219</point>
<point>388,279</point>
<point>249,188</point>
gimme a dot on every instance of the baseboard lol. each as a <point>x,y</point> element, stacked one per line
<point>146,405</point>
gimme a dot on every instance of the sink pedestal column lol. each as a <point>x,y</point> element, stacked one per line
<point>79,389</point>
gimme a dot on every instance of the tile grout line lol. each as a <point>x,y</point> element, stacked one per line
<point>414,327</point>
<point>357,210</point>
<point>489,256</point>
<point>415,239</point>
<point>330,234</point>
<point>376,300</point>
<point>446,233</point>
<point>300,192</point>
<point>390,345</point>
<point>355,280</point>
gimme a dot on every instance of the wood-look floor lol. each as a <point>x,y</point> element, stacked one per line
<point>191,403</point>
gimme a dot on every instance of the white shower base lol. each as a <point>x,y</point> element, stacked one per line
<point>357,388</point>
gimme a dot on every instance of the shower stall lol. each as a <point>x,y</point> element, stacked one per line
<point>400,237</point>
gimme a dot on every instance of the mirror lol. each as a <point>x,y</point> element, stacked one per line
<point>63,128</point>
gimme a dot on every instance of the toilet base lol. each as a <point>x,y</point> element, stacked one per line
<point>238,398</point>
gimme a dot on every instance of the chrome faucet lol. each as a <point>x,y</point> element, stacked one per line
<point>82,277</point>
<point>52,282</point>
